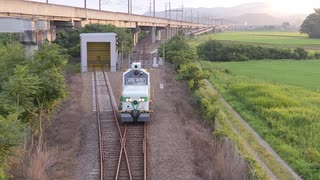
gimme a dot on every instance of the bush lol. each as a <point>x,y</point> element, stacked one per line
<point>317,55</point>
<point>213,50</point>
<point>28,87</point>
<point>300,53</point>
<point>193,74</point>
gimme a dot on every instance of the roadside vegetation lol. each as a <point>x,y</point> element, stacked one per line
<point>185,59</point>
<point>30,88</point>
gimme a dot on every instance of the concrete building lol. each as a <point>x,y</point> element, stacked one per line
<point>98,50</point>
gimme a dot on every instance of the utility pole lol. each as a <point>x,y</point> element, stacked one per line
<point>165,11</point>
<point>191,18</point>
<point>182,17</point>
<point>168,9</point>
<point>150,8</point>
<point>154,8</point>
<point>99,5</point>
<point>85,4</point>
<point>198,17</point>
<point>129,6</point>
<point>47,1</point>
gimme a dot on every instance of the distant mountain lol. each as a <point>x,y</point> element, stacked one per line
<point>258,13</point>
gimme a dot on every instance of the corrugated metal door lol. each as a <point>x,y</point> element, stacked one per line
<point>98,54</point>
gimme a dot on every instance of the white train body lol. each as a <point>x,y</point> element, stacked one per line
<point>135,97</point>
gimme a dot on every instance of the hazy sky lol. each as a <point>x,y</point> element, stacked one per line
<point>141,6</point>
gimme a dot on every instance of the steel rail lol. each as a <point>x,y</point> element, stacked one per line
<point>145,151</point>
<point>101,158</point>
<point>122,137</point>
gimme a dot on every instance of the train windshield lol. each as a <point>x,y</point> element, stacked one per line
<point>136,81</point>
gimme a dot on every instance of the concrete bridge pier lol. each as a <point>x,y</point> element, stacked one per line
<point>159,35</point>
<point>163,34</point>
<point>135,33</point>
<point>169,33</point>
<point>153,34</point>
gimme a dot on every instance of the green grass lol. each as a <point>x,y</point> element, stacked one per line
<point>287,116</point>
<point>268,39</point>
<point>72,68</point>
<point>300,73</point>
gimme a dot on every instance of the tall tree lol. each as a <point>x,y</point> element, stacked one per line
<point>311,25</point>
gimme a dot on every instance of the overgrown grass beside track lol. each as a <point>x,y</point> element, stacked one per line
<point>286,116</point>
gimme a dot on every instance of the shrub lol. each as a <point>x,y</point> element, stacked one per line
<point>300,53</point>
<point>317,55</point>
<point>213,50</point>
<point>193,74</point>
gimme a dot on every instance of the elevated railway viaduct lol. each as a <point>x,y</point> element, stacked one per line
<point>35,17</point>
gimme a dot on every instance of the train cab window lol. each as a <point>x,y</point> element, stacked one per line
<point>136,81</point>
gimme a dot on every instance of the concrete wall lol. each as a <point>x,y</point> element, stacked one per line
<point>11,25</point>
<point>98,37</point>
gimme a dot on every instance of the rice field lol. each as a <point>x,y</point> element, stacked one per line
<point>268,39</point>
<point>281,101</point>
<point>292,72</point>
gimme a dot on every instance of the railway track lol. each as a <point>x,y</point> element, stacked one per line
<point>122,147</point>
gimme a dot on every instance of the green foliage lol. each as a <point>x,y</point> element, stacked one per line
<point>12,132</point>
<point>70,39</point>
<point>178,51</point>
<point>184,57</point>
<point>192,73</point>
<point>9,38</point>
<point>311,25</point>
<point>300,53</point>
<point>10,56</point>
<point>48,63</point>
<point>287,117</point>
<point>206,99</point>
<point>27,85</point>
<point>19,91</point>
<point>213,50</point>
<point>317,55</point>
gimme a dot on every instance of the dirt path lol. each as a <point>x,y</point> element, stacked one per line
<point>73,132</point>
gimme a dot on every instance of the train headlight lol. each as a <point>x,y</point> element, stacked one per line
<point>143,99</point>
<point>128,99</point>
